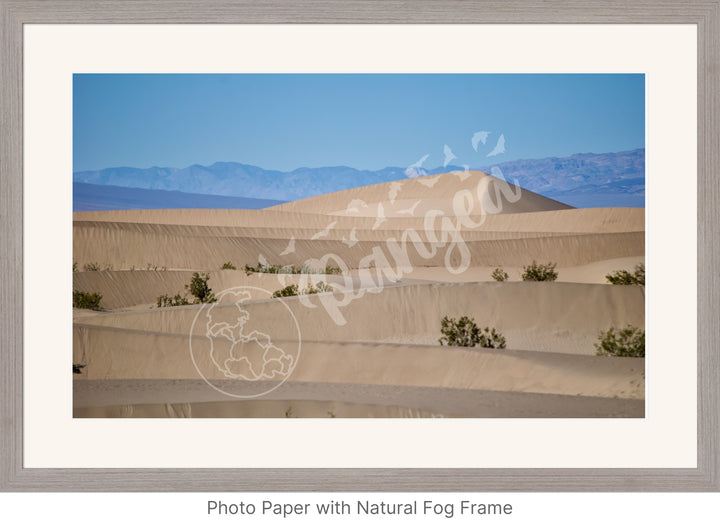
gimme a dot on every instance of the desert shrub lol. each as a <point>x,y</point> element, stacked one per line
<point>624,277</point>
<point>499,275</point>
<point>75,266</point>
<point>489,338</point>
<point>94,266</point>
<point>640,273</point>
<point>199,288</point>
<point>166,301</point>
<point>539,272</point>
<point>78,368</point>
<point>228,266</point>
<point>466,333</point>
<point>83,300</point>
<point>463,332</point>
<point>271,269</point>
<point>290,290</point>
<point>332,270</point>
<point>319,287</point>
<point>626,342</point>
<point>293,290</point>
<point>289,269</point>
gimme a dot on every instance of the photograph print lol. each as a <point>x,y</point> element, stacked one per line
<point>358,246</point>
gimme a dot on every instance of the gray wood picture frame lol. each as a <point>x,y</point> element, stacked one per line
<point>15,13</point>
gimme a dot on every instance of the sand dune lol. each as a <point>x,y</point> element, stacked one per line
<point>369,348</point>
<point>124,354</point>
<point>437,192</point>
<point>593,272</point>
<point>279,221</point>
<point>130,289</point>
<point>295,400</point>
<point>560,317</point>
<point>188,247</point>
<point>140,289</point>
<point>258,408</point>
<point>376,379</point>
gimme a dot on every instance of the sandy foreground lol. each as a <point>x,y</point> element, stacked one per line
<point>408,254</point>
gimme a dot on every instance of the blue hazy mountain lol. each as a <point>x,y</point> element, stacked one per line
<point>583,180</point>
<point>240,180</point>
<point>93,197</point>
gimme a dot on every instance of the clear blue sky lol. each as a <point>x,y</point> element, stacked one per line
<point>282,121</point>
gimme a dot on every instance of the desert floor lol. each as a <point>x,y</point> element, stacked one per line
<point>408,253</point>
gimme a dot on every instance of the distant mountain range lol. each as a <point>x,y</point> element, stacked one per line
<point>92,197</point>
<point>582,180</point>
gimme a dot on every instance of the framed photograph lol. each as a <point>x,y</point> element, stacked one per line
<point>293,249</point>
